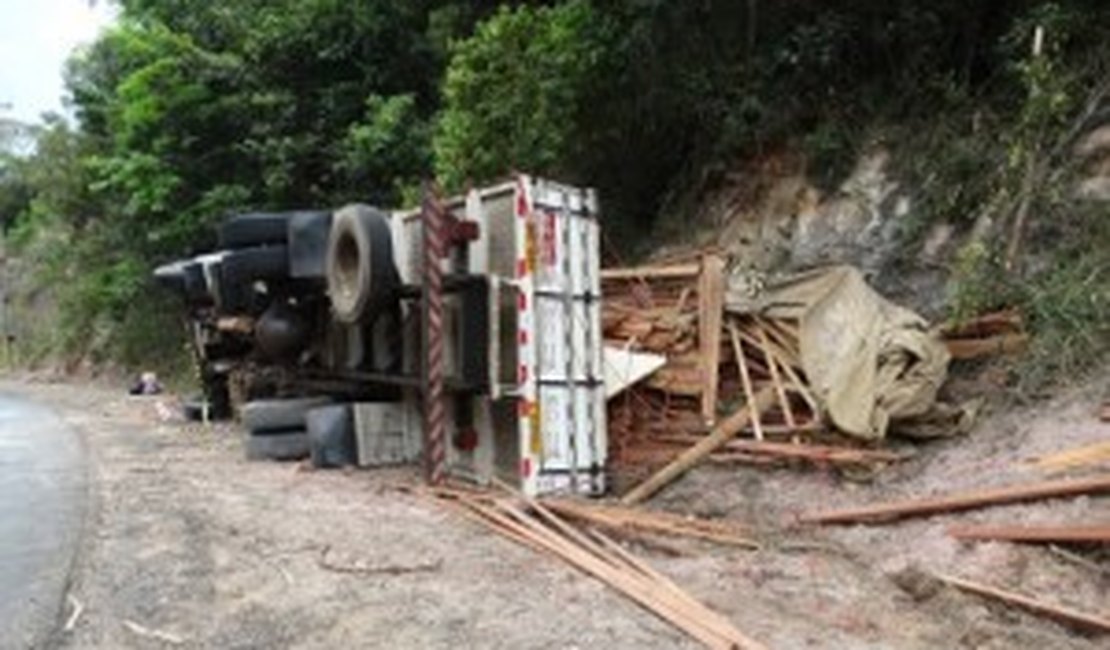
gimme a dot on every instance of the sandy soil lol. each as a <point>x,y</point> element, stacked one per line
<point>189,541</point>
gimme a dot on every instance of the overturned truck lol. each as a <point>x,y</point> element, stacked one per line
<point>464,334</point>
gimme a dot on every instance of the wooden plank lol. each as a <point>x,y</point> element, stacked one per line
<point>814,453</point>
<point>776,329</point>
<point>787,364</point>
<point>776,380</point>
<point>690,270</point>
<point>711,299</point>
<point>1045,534</point>
<point>620,571</point>
<point>1057,613</point>
<point>975,348</point>
<point>617,518</point>
<point>671,592</point>
<point>711,618</point>
<point>604,570</point>
<point>745,378</point>
<point>720,434</point>
<point>1087,455</point>
<point>680,304</point>
<point>800,388</point>
<point>784,355</point>
<point>999,322</point>
<point>966,501</point>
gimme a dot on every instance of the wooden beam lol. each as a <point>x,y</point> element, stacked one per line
<point>1087,455</point>
<point>975,348</point>
<point>615,517</point>
<point>786,355</point>
<point>814,453</point>
<point>652,272</point>
<point>745,378</point>
<point>724,431</point>
<point>776,381</point>
<point>776,330</point>
<point>788,360</point>
<point>1055,612</point>
<point>535,526</point>
<point>999,322</point>
<point>1045,534</point>
<point>711,303</point>
<point>966,501</point>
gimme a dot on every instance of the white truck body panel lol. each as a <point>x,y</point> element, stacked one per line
<point>543,427</point>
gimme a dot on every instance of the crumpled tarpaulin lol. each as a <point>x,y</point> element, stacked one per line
<point>874,366</point>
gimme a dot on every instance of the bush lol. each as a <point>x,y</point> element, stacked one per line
<point>514,93</point>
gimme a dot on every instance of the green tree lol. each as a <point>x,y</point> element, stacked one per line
<point>515,93</point>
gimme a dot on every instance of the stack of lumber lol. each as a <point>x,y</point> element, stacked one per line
<point>716,362</point>
<point>537,526</point>
<point>1001,332</point>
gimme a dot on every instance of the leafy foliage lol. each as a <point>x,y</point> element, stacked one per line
<point>187,111</point>
<point>515,93</point>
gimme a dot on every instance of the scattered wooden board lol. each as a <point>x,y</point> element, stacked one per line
<point>745,378</point>
<point>535,526</point>
<point>727,429</point>
<point>689,270</point>
<point>617,517</point>
<point>776,381</point>
<point>814,453</point>
<point>998,322</point>
<point>1088,455</point>
<point>920,507</point>
<point>975,348</point>
<point>711,304</point>
<point>1044,534</point>
<point>1060,614</point>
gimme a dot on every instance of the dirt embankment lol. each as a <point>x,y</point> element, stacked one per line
<point>189,545</point>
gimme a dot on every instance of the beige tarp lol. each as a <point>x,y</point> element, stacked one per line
<point>873,365</point>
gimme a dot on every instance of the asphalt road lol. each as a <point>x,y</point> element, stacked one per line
<point>42,501</point>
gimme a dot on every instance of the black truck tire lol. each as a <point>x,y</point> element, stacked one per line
<point>286,445</point>
<point>361,274</point>
<point>275,415</point>
<point>255,229</point>
<point>239,269</point>
<point>331,436</point>
<point>195,284</point>
<point>308,244</point>
<point>171,276</point>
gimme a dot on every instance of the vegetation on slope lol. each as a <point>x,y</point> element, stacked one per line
<point>187,111</point>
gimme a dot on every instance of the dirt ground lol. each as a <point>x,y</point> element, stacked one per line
<point>188,545</point>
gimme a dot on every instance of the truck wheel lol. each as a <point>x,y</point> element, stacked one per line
<point>195,285</point>
<point>254,229</point>
<point>263,415</point>
<point>331,436</point>
<point>286,445</point>
<point>171,276</point>
<point>360,270</point>
<point>239,269</point>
